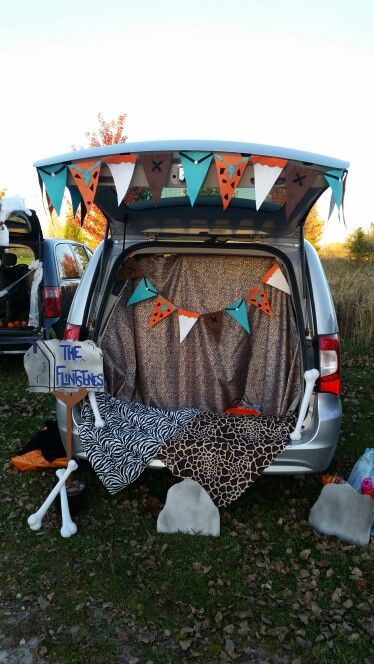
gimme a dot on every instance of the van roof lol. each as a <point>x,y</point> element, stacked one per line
<point>198,145</point>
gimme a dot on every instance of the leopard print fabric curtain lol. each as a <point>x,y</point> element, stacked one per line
<point>262,368</point>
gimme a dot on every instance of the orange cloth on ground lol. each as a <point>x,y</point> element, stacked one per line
<point>35,461</point>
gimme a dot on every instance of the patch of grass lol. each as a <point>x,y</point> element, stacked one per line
<point>352,287</point>
<point>269,585</point>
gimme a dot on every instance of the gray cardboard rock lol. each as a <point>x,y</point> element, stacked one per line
<point>189,509</point>
<point>343,512</point>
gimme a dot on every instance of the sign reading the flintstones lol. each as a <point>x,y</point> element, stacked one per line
<point>65,366</point>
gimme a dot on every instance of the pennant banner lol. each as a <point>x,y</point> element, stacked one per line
<point>144,291</point>
<point>122,169</point>
<point>161,309</point>
<point>83,212</point>
<point>275,277</point>
<point>86,177</point>
<point>156,168</point>
<point>331,206</point>
<point>75,197</point>
<point>298,181</point>
<point>257,297</point>
<point>238,311</point>
<point>213,322</point>
<point>334,177</point>
<point>187,320</point>
<point>267,171</point>
<point>230,169</point>
<point>49,204</point>
<point>54,178</point>
<point>195,166</point>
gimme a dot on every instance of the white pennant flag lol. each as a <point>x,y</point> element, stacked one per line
<point>275,277</point>
<point>121,174</point>
<point>187,320</point>
<point>265,177</point>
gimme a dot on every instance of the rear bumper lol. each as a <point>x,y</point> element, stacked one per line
<point>16,343</point>
<point>311,454</point>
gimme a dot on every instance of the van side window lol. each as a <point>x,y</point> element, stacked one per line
<point>66,263</point>
<point>81,256</point>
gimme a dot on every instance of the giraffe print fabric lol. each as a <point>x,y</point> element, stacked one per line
<point>226,454</point>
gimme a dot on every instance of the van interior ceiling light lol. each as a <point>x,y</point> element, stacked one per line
<point>8,205</point>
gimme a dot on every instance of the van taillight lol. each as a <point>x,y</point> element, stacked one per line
<point>52,301</point>
<point>72,332</point>
<point>329,364</point>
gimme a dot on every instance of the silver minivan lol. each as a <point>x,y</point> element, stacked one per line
<point>200,234</point>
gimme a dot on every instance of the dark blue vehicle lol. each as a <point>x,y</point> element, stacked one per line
<point>38,280</point>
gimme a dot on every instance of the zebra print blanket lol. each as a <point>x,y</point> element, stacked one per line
<point>132,435</point>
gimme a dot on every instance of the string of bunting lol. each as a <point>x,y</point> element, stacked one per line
<point>230,168</point>
<point>256,296</point>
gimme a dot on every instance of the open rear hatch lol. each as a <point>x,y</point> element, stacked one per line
<point>240,194</point>
<point>20,282</point>
<point>236,189</point>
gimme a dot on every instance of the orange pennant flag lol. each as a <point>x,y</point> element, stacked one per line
<point>268,161</point>
<point>230,168</point>
<point>256,296</point>
<point>120,159</point>
<point>161,309</point>
<point>86,177</point>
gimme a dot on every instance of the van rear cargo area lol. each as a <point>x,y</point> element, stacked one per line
<point>16,293</point>
<point>202,362</point>
<point>205,221</point>
<point>219,364</point>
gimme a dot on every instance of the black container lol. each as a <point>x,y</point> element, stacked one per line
<point>76,492</point>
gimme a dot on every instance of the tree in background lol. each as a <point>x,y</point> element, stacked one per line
<point>93,230</point>
<point>314,227</point>
<point>333,250</point>
<point>359,244</point>
<point>370,241</point>
<point>109,133</point>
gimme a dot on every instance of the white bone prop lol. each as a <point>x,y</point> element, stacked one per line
<point>310,378</point>
<point>35,520</point>
<point>68,527</point>
<point>99,422</point>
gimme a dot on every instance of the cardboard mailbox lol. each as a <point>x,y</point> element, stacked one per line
<point>64,366</point>
<point>70,370</point>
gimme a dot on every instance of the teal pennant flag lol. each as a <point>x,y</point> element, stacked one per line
<point>195,166</point>
<point>54,178</point>
<point>238,310</point>
<point>75,197</point>
<point>335,179</point>
<point>144,291</point>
